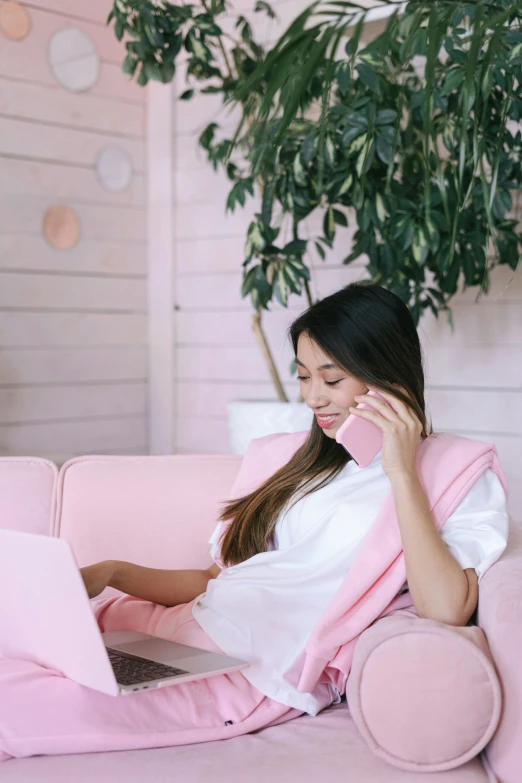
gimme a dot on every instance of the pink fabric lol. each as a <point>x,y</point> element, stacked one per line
<point>447,465</point>
<point>27,494</point>
<point>413,710</point>
<point>44,712</point>
<point>500,617</point>
<point>157,511</point>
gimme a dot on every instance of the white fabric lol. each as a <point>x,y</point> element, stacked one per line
<point>264,609</point>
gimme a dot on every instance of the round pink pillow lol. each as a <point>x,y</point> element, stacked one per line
<point>424,695</point>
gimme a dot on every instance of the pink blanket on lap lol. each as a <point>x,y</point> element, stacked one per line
<point>44,712</point>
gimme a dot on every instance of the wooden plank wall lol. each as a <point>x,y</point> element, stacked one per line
<point>73,325</point>
<point>474,376</point>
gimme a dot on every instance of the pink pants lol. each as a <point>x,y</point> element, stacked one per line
<point>44,712</point>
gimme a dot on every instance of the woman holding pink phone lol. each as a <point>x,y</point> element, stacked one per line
<point>287,540</point>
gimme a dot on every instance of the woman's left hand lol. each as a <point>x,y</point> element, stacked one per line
<point>401,431</point>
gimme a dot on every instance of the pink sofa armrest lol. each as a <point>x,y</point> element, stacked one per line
<point>27,494</point>
<point>500,617</point>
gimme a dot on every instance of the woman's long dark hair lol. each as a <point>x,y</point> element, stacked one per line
<point>368,331</point>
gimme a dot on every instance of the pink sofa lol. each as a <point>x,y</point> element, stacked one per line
<point>424,701</point>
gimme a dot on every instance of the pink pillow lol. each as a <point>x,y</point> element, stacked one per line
<point>424,695</point>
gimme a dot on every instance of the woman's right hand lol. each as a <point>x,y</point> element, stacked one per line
<point>96,577</point>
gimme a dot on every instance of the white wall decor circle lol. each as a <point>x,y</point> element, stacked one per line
<point>74,59</point>
<point>61,227</point>
<point>114,168</point>
<point>15,21</point>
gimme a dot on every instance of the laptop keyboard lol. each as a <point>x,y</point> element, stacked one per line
<point>130,669</point>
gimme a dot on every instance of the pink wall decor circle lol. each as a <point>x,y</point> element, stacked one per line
<point>15,21</point>
<point>61,227</point>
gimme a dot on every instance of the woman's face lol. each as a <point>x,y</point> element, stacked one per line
<point>318,393</point>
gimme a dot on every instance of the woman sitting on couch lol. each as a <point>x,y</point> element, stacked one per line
<point>281,552</point>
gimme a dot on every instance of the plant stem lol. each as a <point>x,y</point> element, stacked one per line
<point>308,294</point>
<point>261,339</point>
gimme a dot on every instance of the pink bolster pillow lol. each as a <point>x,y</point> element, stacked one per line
<point>424,695</point>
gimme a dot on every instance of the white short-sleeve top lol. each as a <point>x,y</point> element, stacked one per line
<point>264,609</point>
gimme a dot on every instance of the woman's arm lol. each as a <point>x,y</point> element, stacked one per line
<point>158,585</point>
<point>439,588</point>
<point>161,586</point>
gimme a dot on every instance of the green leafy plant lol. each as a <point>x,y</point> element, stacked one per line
<point>414,136</point>
<point>427,154</point>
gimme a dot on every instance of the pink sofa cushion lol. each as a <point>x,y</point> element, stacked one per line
<point>157,511</point>
<point>424,695</point>
<point>27,494</point>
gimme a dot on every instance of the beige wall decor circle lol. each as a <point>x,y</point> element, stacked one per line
<point>61,227</point>
<point>74,59</point>
<point>114,168</point>
<point>15,21</point>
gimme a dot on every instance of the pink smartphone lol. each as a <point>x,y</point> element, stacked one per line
<point>361,437</point>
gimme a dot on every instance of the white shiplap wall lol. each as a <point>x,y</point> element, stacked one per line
<point>474,376</point>
<point>73,324</point>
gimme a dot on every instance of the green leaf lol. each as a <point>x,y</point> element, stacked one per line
<point>261,5</point>
<point>343,77</point>
<point>309,148</point>
<point>329,223</point>
<point>358,120</point>
<point>368,77</point>
<point>198,50</point>
<point>329,151</point>
<point>385,117</point>
<point>347,184</point>
<point>349,135</point>
<point>433,235</point>
<point>454,78</point>
<point>119,29</point>
<point>207,136</point>
<point>384,148</point>
<point>357,144</point>
<point>185,96</point>
<point>352,45</point>
<point>320,250</point>
<point>340,218</point>
<point>299,172</point>
<point>295,248</point>
<point>233,196</point>
<point>420,247</point>
<point>280,289</point>
<point>401,225</point>
<point>167,70</point>
<point>248,281</point>
<point>299,266</point>
<point>380,208</point>
<point>266,208</point>
<point>370,58</point>
<point>365,159</point>
<point>153,70</point>
<point>255,240</point>
<point>130,64</point>
<point>451,279</point>
<point>142,77</point>
<point>364,216</point>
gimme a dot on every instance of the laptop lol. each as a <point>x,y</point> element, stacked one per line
<point>46,617</point>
